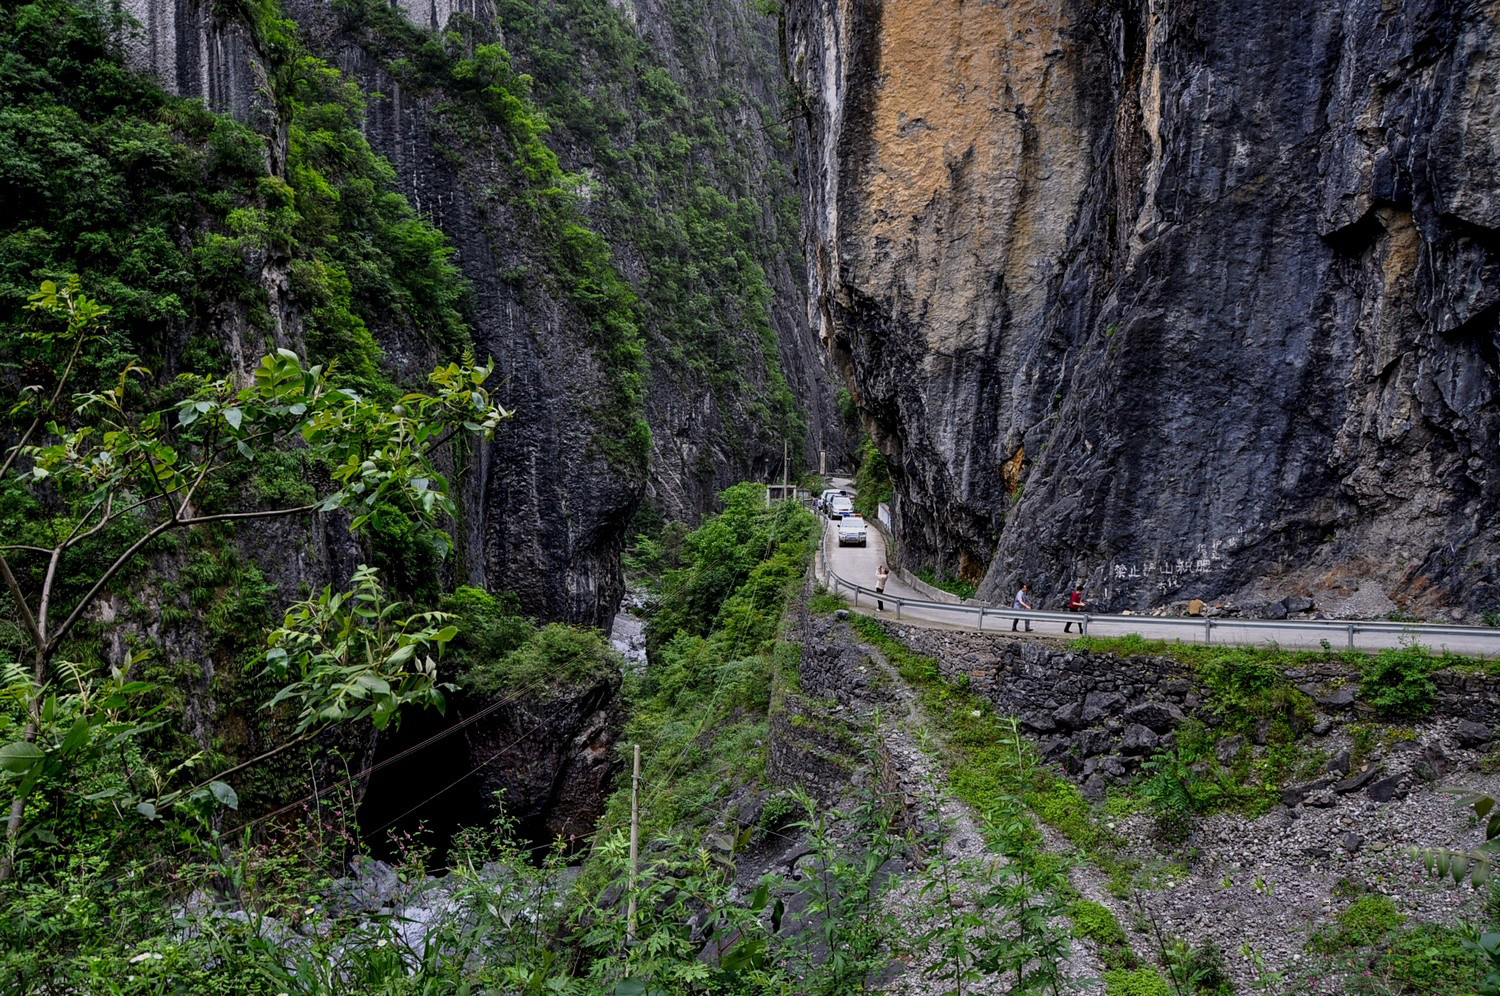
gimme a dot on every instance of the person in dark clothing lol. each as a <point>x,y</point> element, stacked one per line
<point>1075,604</point>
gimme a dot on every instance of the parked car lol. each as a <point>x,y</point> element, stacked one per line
<point>840,506</point>
<point>851,531</point>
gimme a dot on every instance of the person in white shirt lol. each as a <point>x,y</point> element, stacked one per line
<point>1022,601</point>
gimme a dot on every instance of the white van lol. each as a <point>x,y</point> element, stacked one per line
<point>851,530</point>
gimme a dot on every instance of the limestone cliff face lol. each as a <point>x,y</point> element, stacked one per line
<point>1181,298</point>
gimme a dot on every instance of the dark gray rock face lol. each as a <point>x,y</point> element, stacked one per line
<point>552,755</point>
<point>1197,299</point>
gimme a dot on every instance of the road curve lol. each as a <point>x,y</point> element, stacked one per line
<point>855,565</point>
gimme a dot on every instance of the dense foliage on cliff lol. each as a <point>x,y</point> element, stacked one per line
<point>213,242</point>
<point>605,137</point>
<point>700,709</point>
<point>679,182</point>
<point>121,912</point>
<point>174,214</point>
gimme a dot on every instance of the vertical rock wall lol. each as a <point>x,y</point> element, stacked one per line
<point>1180,298</point>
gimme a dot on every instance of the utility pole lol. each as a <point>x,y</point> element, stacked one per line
<point>784,470</point>
<point>635,841</point>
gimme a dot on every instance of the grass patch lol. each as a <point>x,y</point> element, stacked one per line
<point>953,586</point>
<point>1095,923</point>
<point>1369,942</point>
<point>990,765</point>
<point>825,603</point>
<point>1362,923</point>
<point>1135,982</point>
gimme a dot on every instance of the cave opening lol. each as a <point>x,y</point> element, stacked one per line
<point>423,799</point>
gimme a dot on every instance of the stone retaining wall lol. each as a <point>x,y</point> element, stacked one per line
<point>1101,714</point>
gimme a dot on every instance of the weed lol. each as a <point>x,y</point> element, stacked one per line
<point>1398,682</point>
<point>1362,923</point>
<point>825,603</point>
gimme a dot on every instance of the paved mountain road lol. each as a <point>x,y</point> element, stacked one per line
<point>855,565</point>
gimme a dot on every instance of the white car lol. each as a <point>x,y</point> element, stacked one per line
<point>840,506</point>
<point>851,529</point>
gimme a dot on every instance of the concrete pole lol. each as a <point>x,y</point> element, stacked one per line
<point>635,841</point>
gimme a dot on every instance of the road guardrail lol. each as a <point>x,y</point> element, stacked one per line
<point>1428,634</point>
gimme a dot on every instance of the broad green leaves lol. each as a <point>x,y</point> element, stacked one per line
<point>1477,866</point>
<point>353,654</point>
<point>119,466</point>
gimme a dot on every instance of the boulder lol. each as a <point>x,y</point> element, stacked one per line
<point>1357,781</point>
<point>1297,603</point>
<point>1039,722</point>
<point>1100,705</point>
<point>1339,698</point>
<point>1293,794</point>
<point>1386,789</point>
<point>1228,749</point>
<point>1138,739</point>
<point>1472,734</point>
<point>1275,610</point>
<point>1160,717</point>
<point>1067,717</point>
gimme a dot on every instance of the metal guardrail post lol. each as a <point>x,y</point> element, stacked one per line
<point>981,619</point>
<point>1351,636</point>
<point>899,603</point>
<point>1208,630</point>
<point>1085,624</point>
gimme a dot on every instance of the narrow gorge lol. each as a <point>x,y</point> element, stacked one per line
<point>362,361</point>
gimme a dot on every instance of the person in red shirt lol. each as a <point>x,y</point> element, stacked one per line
<point>1075,604</point>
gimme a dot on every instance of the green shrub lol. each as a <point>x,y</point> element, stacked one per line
<point>489,628</point>
<point>1197,970</point>
<point>963,589</point>
<point>1137,982</point>
<point>1432,960</point>
<point>1246,684</point>
<point>555,655</point>
<point>1094,922</point>
<point>1363,923</point>
<point>825,602</point>
<point>872,481</point>
<point>1398,683</point>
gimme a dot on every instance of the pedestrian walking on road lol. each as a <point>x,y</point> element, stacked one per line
<point>881,575</point>
<point>1021,601</point>
<point>1075,604</point>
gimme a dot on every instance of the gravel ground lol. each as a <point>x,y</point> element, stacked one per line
<point>954,837</point>
<point>1259,888</point>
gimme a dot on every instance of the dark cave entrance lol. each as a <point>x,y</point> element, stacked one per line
<point>422,798</point>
